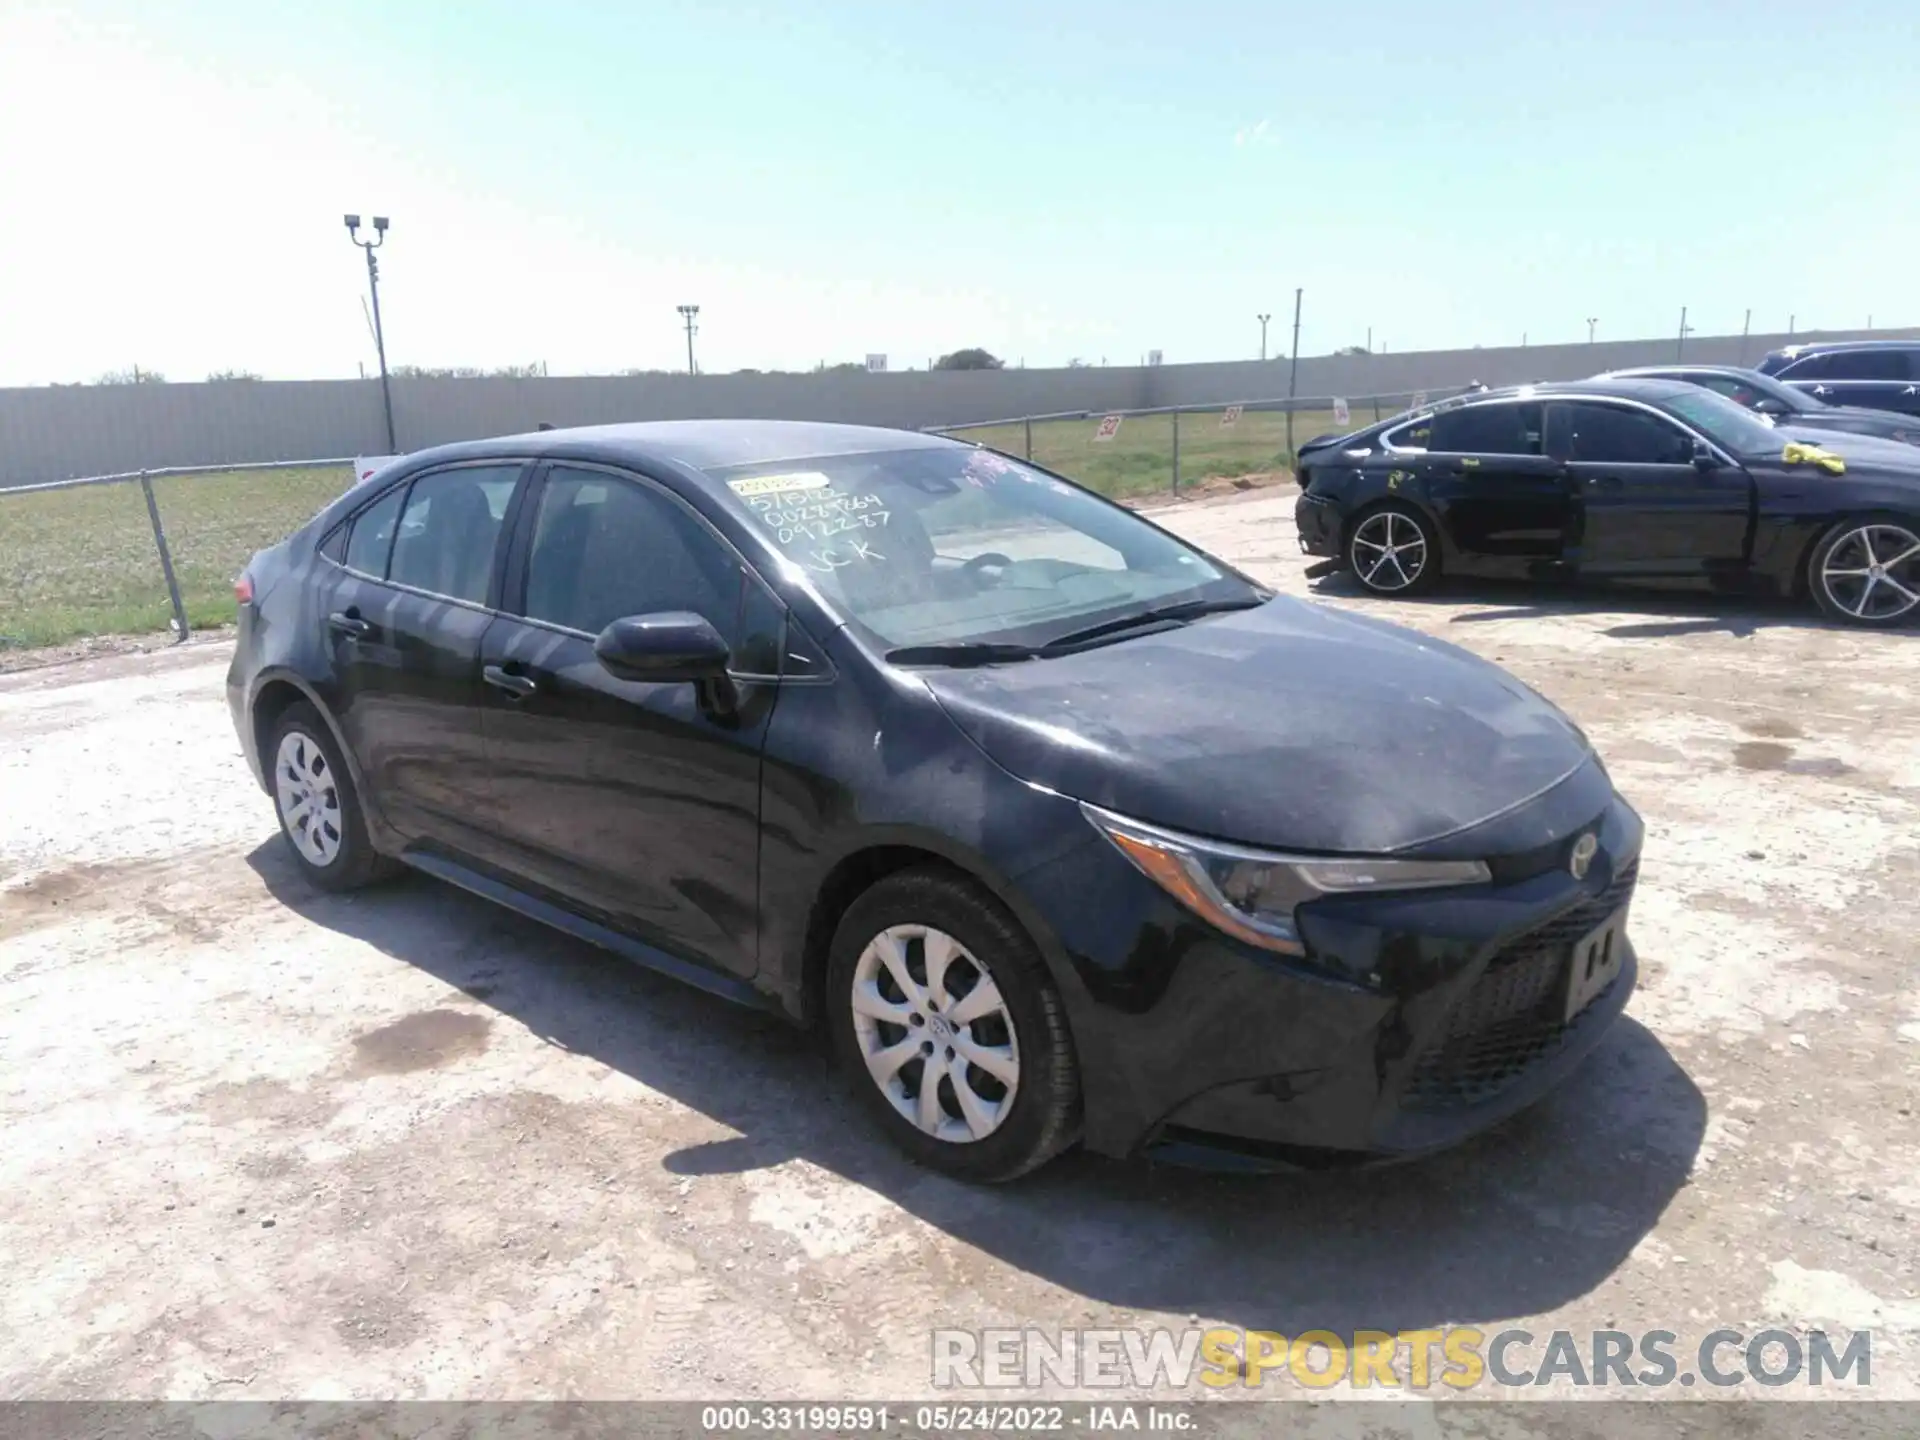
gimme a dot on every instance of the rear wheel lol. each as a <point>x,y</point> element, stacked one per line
<point>1393,551</point>
<point>951,1029</point>
<point>1866,571</point>
<point>318,806</point>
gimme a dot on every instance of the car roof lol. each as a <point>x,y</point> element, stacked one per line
<point>1679,367</point>
<point>699,444</point>
<point>1811,347</point>
<point>1624,387</point>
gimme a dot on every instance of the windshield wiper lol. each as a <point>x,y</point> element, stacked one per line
<point>1158,615</point>
<point>967,652</point>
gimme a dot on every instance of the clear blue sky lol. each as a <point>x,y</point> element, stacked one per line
<point>836,177</point>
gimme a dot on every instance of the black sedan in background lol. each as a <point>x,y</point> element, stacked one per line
<point>1783,404</point>
<point>1619,479</point>
<point>1062,828</point>
<point>1884,374</point>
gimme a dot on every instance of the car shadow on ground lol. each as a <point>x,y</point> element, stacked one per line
<point>1669,612</point>
<point>1520,1221</point>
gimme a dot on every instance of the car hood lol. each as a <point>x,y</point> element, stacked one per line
<point>1293,726</point>
<point>1857,420</point>
<point>1874,454</point>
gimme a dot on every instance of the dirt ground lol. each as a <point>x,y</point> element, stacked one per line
<point>260,1142</point>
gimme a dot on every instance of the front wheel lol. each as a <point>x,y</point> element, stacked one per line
<point>949,1025</point>
<point>1866,571</point>
<point>1393,551</point>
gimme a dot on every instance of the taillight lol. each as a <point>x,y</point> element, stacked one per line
<point>243,589</point>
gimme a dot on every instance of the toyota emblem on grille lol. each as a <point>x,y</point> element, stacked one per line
<point>1582,858</point>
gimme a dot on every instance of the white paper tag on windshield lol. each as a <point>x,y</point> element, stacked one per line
<point>780,484</point>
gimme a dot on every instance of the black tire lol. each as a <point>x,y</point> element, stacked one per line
<point>352,862</point>
<point>1380,574</point>
<point>1042,1117</point>
<point>1839,599</point>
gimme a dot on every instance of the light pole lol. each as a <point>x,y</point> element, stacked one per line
<point>1592,320</point>
<point>1293,378</point>
<point>379,335</point>
<point>687,313</point>
<point>1680,348</point>
<point>1263,319</point>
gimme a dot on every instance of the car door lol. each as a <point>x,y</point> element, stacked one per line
<point>1881,378</point>
<point>1642,505</point>
<point>638,803</point>
<point>403,613</point>
<point>1501,498</point>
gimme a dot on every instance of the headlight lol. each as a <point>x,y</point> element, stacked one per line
<point>1252,894</point>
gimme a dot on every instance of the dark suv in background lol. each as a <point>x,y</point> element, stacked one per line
<point>1877,374</point>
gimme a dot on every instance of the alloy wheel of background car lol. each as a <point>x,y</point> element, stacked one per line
<point>1389,551</point>
<point>949,1024</point>
<point>1868,572</point>
<point>318,806</point>
<point>935,1033</point>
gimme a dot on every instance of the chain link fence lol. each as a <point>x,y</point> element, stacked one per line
<point>1169,450</point>
<point>145,551</point>
<point>158,550</point>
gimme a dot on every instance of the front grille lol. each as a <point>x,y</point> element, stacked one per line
<point>1510,1019</point>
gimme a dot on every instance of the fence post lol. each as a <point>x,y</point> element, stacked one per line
<point>1376,409</point>
<point>1028,422</point>
<point>1176,452</point>
<point>166,558</point>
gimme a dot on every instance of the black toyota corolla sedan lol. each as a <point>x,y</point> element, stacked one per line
<point>1619,480</point>
<point>1062,828</point>
<point>1784,404</point>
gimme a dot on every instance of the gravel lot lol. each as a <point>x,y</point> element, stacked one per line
<point>261,1142</point>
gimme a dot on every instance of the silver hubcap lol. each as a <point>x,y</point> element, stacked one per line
<point>935,1033</point>
<point>1388,551</point>
<point>308,799</point>
<point>1873,573</point>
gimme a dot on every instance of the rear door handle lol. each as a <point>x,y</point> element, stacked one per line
<point>517,687</point>
<point>346,622</point>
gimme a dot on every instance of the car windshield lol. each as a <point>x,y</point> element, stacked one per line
<point>1728,425</point>
<point>952,545</point>
<point>1796,402</point>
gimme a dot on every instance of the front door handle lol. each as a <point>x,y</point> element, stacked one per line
<point>345,622</point>
<point>1603,482</point>
<point>517,687</point>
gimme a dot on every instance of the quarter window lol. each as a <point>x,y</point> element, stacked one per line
<point>450,529</point>
<point>1620,435</point>
<point>1511,429</point>
<point>605,548</point>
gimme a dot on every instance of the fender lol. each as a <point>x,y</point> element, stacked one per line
<point>789,977</point>
<point>385,838</point>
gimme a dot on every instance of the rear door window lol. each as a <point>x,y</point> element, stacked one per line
<point>1865,365</point>
<point>371,536</point>
<point>1499,429</point>
<point>450,529</point>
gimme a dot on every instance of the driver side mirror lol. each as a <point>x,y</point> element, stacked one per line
<point>1767,405</point>
<point>1703,456</point>
<point>668,646</point>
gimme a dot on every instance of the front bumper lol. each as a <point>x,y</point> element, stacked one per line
<point>1419,1020</point>
<point>1318,521</point>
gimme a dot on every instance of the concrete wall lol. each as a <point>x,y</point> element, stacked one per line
<point>61,432</point>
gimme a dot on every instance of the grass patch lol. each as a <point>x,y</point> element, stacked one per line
<point>82,562</point>
<point>1139,460</point>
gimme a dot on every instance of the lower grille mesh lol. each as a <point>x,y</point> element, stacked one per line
<point>1510,1020</point>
